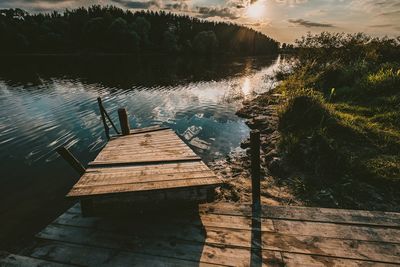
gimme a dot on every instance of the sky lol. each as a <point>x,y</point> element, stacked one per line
<point>283,20</point>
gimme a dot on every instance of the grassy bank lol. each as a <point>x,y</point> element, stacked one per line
<point>339,116</point>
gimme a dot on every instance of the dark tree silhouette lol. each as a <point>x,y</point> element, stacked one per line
<point>205,42</point>
<point>99,29</point>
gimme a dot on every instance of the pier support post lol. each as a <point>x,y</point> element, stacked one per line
<point>103,118</point>
<point>67,155</point>
<point>123,120</point>
<point>255,167</point>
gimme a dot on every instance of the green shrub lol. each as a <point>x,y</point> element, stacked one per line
<point>304,112</point>
<point>382,82</point>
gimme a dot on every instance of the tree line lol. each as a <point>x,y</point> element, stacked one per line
<point>108,29</point>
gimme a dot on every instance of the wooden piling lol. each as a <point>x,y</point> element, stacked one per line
<point>255,166</point>
<point>103,118</point>
<point>123,120</point>
<point>67,155</point>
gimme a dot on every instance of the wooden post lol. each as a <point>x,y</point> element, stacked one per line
<point>103,118</point>
<point>66,154</point>
<point>255,167</point>
<point>123,120</point>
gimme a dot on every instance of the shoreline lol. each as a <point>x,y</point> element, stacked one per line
<point>235,168</point>
<point>282,184</point>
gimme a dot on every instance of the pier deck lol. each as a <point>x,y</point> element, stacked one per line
<point>219,234</point>
<point>148,164</point>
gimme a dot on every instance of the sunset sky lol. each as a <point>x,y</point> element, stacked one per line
<point>284,20</point>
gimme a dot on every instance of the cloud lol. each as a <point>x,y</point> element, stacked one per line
<point>257,24</point>
<point>177,6</point>
<point>381,25</point>
<point>225,12</point>
<point>390,13</point>
<point>138,4</point>
<point>290,3</point>
<point>310,24</point>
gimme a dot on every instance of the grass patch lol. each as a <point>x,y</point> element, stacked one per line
<point>345,126</point>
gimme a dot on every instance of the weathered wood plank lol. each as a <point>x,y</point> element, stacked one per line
<point>340,231</point>
<point>153,160</point>
<point>295,228</point>
<point>149,129</point>
<point>129,178</point>
<point>10,260</point>
<point>99,256</point>
<point>150,148</point>
<point>167,247</point>
<point>120,188</point>
<point>173,151</point>
<point>152,169</point>
<point>360,217</point>
<point>154,129</point>
<point>303,260</point>
<point>161,156</point>
<point>342,248</point>
<point>160,136</point>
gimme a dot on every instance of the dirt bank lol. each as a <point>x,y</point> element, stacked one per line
<point>261,114</point>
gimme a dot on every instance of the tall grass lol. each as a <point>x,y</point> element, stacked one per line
<point>340,117</point>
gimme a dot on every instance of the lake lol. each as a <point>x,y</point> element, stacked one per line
<point>51,101</point>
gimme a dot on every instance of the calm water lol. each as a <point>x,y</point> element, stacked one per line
<point>52,103</point>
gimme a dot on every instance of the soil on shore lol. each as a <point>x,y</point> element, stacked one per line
<point>235,169</point>
<point>281,184</point>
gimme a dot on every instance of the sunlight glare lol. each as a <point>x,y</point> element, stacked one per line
<point>246,86</point>
<point>256,10</point>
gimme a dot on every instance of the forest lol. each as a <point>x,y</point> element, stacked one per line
<point>109,29</point>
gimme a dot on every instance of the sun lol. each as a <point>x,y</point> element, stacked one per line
<point>256,10</point>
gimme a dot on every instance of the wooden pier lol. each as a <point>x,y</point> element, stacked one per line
<point>149,167</point>
<point>218,234</point>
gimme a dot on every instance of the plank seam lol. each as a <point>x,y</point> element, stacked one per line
<point>144,163</point>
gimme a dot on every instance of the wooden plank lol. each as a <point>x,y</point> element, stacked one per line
<point>360,217</point>
<point>152,154</point>
<point>168,146</point>
<point>299,260</point>
<point>145,142</point>
<point>340,231</point>
<point>153,169</point>
<point>295,228</point>
<point>137,157</point>
<point>350,249</point>
<point>143,136</point>
<point>9,260</point>
<point>172,148</point>
<point>155,129</point>
<point>133,147</point>
<point>153,160</point>
<point>97,256</point>
<point>167,246</point>
<point>120,188</point>
<point>129,178</point>
<point>149,129</point>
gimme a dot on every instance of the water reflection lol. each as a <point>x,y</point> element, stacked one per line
<point>52,102</point>
<point>40,114</point>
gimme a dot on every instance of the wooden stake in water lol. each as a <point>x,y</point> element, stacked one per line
<point>123,120</point>
<point>67,155</point>
<point>103,118</point>
<point>255,166</point>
